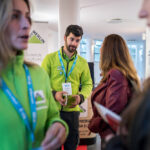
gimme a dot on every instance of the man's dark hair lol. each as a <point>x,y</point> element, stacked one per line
<point>75,29</point>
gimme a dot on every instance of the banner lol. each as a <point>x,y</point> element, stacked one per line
<point>38,43</point>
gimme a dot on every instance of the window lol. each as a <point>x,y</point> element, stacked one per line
<point>133,52</point>
<point>136,50</point>
<point>83,48</point>
<point>97,46</point>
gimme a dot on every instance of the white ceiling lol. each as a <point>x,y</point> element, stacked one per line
<point>94,16</point>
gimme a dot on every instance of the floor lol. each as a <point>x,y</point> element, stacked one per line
<point>95,146</point>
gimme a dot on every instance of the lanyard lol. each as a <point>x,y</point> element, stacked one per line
<point>39,148</point>
<point>15,102</point>
<point>62,65</point>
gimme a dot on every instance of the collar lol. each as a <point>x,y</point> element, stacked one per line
<point>19,58</point>
<point>15,62</point>
<point>66,57</point>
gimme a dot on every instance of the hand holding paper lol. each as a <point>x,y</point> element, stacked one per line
<point>108,116</point>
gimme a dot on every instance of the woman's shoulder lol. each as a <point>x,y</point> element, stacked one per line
<point>115,74</point>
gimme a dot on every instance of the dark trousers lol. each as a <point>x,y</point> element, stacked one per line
<point>72,119</point>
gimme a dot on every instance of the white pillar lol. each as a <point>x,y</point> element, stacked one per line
<point>69,11</point>
<point>147,57</point>
<point>89,50</point>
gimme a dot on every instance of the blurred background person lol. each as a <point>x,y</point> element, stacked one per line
<point>145,11</point>
<point>29,115</point>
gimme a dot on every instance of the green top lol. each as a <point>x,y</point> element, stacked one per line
<point>14,134</point>
<point>80,74</point>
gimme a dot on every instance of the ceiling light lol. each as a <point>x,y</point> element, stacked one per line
<point>115,20</point>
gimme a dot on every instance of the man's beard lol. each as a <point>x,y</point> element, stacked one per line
<point>71,48</point>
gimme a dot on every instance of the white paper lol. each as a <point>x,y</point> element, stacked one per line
<point>103,111</point>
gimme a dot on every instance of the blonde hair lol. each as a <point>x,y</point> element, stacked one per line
<point>115,54</point>
<point>5,49</point>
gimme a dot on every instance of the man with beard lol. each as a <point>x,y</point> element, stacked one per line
<point>68,73</point>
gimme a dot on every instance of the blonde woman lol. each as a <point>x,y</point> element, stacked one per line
<point>27,121</point>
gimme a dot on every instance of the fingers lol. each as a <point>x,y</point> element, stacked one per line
<point>50,135</point>
<point>64,93</point>
<point>77,101</point>
<point>72,106</point>
<point>59,97</point>
<point>56,142</point>
<point>55,137</point>
<point>63,101</point>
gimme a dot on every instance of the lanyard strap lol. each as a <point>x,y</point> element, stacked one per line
<point>39,148</point>
<point>15,102</point>
<point>62,65</point>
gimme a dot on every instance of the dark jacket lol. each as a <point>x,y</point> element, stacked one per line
<point>113,94</point>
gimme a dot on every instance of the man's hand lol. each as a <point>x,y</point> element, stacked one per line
<point>59,97</point>
<point>77,101</point>
<point>55,137</point>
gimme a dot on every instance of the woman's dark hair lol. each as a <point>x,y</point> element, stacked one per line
<point>75,29</point>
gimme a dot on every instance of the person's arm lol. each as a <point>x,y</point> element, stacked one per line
<point>86,86</point>
<point>97,124</point>
<point>86,83</point>
<point>117,92</point>
<point>55,136</point>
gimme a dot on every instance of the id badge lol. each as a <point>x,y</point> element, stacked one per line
<point>67,88</point>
